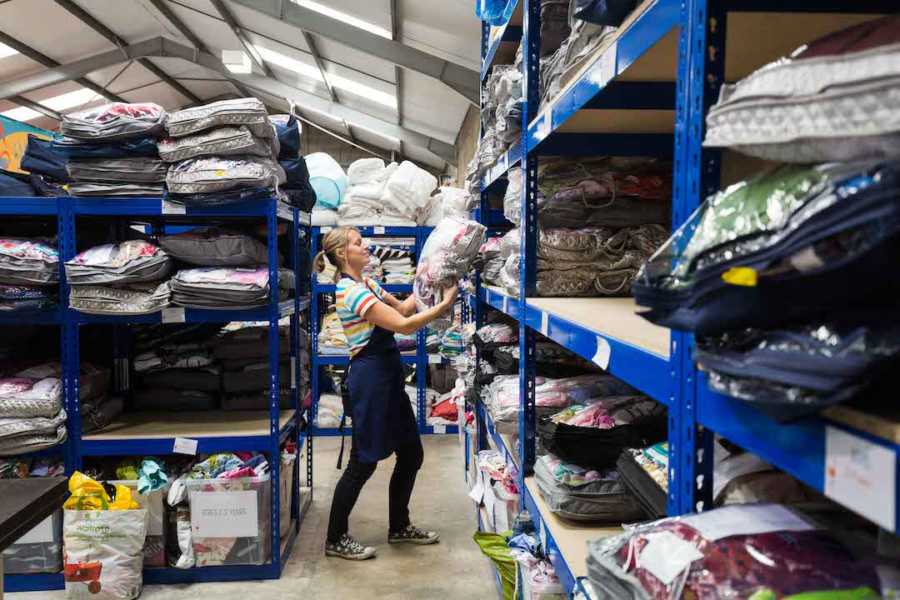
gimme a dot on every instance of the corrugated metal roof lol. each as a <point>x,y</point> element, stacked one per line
<point>444,28</point>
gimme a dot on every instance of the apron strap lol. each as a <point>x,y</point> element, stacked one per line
<point>343,438</point>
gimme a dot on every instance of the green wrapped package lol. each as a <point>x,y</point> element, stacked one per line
<point>493,545</point>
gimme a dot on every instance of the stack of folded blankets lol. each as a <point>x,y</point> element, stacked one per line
<point>242,350</point>
<point>789,279</point>
<point>121,279</point>
<point>329,411</point>
<point>362,203</point>
<point>396,263</point>
<point>29,273</point>
<point>179,375</point>
<point>230,270</point>
<point>111,150</point>
<point>222,152</point>
<point>332,341</point>
<point>32,417</point>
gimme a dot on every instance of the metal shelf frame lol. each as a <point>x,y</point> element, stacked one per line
<point>669,376</point>
<point>159,212</point>
<point>420,358</point>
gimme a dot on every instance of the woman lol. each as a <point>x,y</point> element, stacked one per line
<point>383,420</point>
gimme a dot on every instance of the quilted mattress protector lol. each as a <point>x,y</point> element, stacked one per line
<point>221,141</point>
<point>250,112</point>
<point>214,174</point>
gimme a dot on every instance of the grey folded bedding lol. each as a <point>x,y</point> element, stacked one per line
<point>249,112</point>
<point>211,174</point>
<point>214,247</point>
<point>221,141</point>
<point>118,170</point>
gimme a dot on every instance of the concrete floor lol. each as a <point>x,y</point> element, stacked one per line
<point>452,569</point>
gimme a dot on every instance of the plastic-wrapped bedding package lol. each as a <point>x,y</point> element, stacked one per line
<point>31,413</point>
<point>19,298</point>
<point>328,180</point>
<point>571,56</point>
<point>221,141</point>
<point>446,256</point>
<point>833,99</point>
<point>584,494</point>
<point>213,246</point>
<point>645,473</point>
<point>125,299</point>
<point>795,243</point>
<point>68,147</point>
<point>28,262</point>
<point>447,202</point>
<point>227,287</point>
<point>799,370</point>
<point>131,261</point>
<point>210,174</point>
<point>330,411</point>
<point>332,340</point>
<point>743,551</point>
<point>115,121</point>
<point>593,434</point>
<point>247,112</point>
<point>136,170</point>
<point>512,197</point>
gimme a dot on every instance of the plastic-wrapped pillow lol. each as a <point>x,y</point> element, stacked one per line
<point>212,246</point>
<point>221,141</point>
<point>327,179</point>
<point>250,112</point>
<point>213,174</point>
<point>115,121</point>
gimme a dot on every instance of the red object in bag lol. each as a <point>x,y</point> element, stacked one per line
<point>446,410</point>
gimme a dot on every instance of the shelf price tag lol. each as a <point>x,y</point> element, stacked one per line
<point>440,429</point>
<point>861,475</point>
<point>173,315</point>
<point>185,446</point>
<point>325,229</point>
<point>224,514</point>
<point>545,323</point>
<point>379,230</point>
<point>506,304</point>
<point>172,208</point>
<point>434,359</point>
<point>544,124</point>
<point>602,353</point>
<point>605,69</point>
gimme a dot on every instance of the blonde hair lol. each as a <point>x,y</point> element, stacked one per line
<point>333,241</point>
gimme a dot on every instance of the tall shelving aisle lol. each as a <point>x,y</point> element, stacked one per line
<point>323,295</point>
<point>173,432</point>
<point>646,91</point>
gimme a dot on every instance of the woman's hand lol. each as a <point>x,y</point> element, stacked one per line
<point>450,295</point>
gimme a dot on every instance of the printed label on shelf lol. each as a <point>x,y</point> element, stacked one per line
<point>224,514</point>
<point>172,208</point>
<point>545,323</point>
<point>185,446</point>
<point>378,230</point>
<point>605,69</point>
<point>434,359</point>
<point>173,315</point>
<point>506,304</point>
<point>325,229</point>
<point>544,538</point>
<point>746,519</point>
<point>293,372</point>
<point>42,533</point>
<point>284,212</point>
<point>440,429</point>
<point>861,475</point>
<point>602,353</point>
<point>545,124</point>
<point>667,556</point>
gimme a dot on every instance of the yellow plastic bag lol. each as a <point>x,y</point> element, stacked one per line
<point>88,494</point>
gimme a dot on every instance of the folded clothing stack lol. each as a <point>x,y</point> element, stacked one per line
<point>222,152</point>
<point>228,288</point>
<point>29,273</point>
<point>177,376</point>
<point>491,260</point>
<point>108,150</point>
<point>361,204</point>
<point>744,551</point>
<point>396,261</point>
<point>332,341</point>
<point>447,255</point>
<point>124,278</point>
<point>32,417</point>
<point>242,350</point>
<point>330,411</point>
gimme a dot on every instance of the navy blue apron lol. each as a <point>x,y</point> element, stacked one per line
<point>383,419</point>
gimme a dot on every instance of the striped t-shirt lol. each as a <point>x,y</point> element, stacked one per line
<point>353,299</point>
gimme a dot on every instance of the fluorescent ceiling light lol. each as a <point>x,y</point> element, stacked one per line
<point>344,17</point>
<point>7,51</point>
<point>342,83</point>
<point>57,103</point>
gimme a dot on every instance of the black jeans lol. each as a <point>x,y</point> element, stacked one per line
<point>403,479</point>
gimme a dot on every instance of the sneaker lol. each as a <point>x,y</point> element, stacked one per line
<point>349,548</point>
<point>413,535</point>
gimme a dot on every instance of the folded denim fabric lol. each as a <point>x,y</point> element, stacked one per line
<point>215,247</point>
<point>288,129</point>
<point>128,262</point>
<point>116,189</point>
<point>212,174</point>
<point>250,112</point>
<point>28,262</point>
<point>118,170</point>
<point>16,184</point>
<point>132,147</point>
<point>115,121</point>
<point>42,158</point>
<point>133,299</point>
<point>220,141</point>
<point>44,186</point>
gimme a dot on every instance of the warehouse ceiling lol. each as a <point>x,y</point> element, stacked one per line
<point>396,75</point>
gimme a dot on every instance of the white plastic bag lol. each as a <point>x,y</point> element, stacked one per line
<point>365,170</point>
<point>104,556</point>
<point>512,198</point>
<point>327,179</point>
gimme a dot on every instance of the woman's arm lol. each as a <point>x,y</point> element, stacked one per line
<point>405,307</point>
<point>386,317</point>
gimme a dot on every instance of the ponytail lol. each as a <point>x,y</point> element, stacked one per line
<point>334,240</point>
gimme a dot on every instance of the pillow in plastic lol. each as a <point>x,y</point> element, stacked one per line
<point>213,247</point>
<point>213,174</point>
<point>221,141</point>
<point>249,112</point>
<point>327,179</point>
<point>131,299</point>
<point>128,262</point>
<point>288,130</point>
<point>28,262</point>
<point>115,121</point>
<point>833,99</point>
<point>23,396</point>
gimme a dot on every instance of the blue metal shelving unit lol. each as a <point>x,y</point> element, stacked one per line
<point>265,433</point>
<point>654,360</point>
<point>419,358</point>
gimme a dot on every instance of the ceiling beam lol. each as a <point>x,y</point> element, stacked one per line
<point>162,47</point>
<point>28,51</point>
<point>89,20</point>
<point>398,72</point>
<point>320,64</point>
<point>37,107</point>
<point>241,36</point>
<point>463,80</point>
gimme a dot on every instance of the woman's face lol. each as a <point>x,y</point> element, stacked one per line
<point>357,252</point>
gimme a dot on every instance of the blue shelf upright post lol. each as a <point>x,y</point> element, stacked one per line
<point>274,383</point>
<point>314,305</point>
<point>531,64</point>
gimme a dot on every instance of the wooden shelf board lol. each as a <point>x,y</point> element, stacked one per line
<point>161,425</point>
